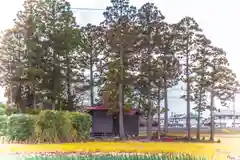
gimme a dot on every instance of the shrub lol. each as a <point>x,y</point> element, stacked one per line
<point>3,124</point>
<point>9,111</point>
<point>65,130</point>
<point>81,122</point>
<point>2,105</point>
<point>53,126</point>
<point>2,111</point>
<point>20,127</point>
<point>32,111</point>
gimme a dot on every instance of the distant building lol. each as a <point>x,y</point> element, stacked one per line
<point>225,119</point>
<point>179,120</point>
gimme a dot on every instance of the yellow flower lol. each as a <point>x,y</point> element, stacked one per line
<point>195,149</point>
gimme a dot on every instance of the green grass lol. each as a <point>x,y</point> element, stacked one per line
<point>119,157</point>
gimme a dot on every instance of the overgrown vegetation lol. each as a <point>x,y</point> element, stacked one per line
<point>48,126</point>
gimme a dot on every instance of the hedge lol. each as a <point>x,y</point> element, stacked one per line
<point>20,127</point>
<point>32,111</point>
<point>9,111</point>
<point>48,126</point>
<point>57,126</point>
<point>81,123</point>
<point>2,111</point>
<point>3,125</point>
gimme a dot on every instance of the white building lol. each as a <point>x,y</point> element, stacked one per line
<point>179,120</point>
<point>226,119</point>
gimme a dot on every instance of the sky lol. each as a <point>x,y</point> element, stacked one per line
<point>218,19</point>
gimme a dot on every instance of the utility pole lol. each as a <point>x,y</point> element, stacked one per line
<point>234,108</point>
<point>234,111</point>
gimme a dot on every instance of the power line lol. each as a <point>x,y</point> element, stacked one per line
<point>89,9</point>
<point>103,9</point>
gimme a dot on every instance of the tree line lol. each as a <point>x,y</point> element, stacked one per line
<point>133,57</point>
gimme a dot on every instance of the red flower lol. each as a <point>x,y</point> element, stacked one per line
<point>169,139</point>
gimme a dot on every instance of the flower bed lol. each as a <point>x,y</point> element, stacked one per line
<point>77,156</point>
<point>116,157</point>
<point>195,149</point>
<point>115,148</point>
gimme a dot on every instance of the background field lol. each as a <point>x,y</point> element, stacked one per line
<point>230,138</point>
<point>204,131</point>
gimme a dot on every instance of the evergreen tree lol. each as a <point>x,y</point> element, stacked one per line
<point>91,53</point>
<point>121,38</point>
<point>187,28</point>
<point>49,37</point>
<point>149,19</point>
<point>222,82</point>
<point>200,70</point>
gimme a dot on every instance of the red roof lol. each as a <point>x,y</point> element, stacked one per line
<point>101,107</point>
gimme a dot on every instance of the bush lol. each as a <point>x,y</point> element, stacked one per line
<point>32,111</point>
<point>9,111</point>
<point>20,127</point>
<point>47,126</point>
<point>3,124</point>
<point>2,105</point>
<point>81,122</point>
<point>54,126</point>
<point>2,111</point>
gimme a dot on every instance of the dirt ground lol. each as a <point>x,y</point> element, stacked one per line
<point>231,143</point>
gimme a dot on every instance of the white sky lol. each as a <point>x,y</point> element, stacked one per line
<point>219,20</point>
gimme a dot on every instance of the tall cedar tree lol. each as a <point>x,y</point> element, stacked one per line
<point>186,30</point>
<point>23,77</point>
<point>149,20</point>
<point>49,36</point>
<point>121,38</point>
<point>91,53</point>
<point>12,62</point>
<point>166,68</point>
<point>60,30</point>
<point>171,65</point>
<point>200,70</point>
<point>222,82</point>
<point>157,65</point>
